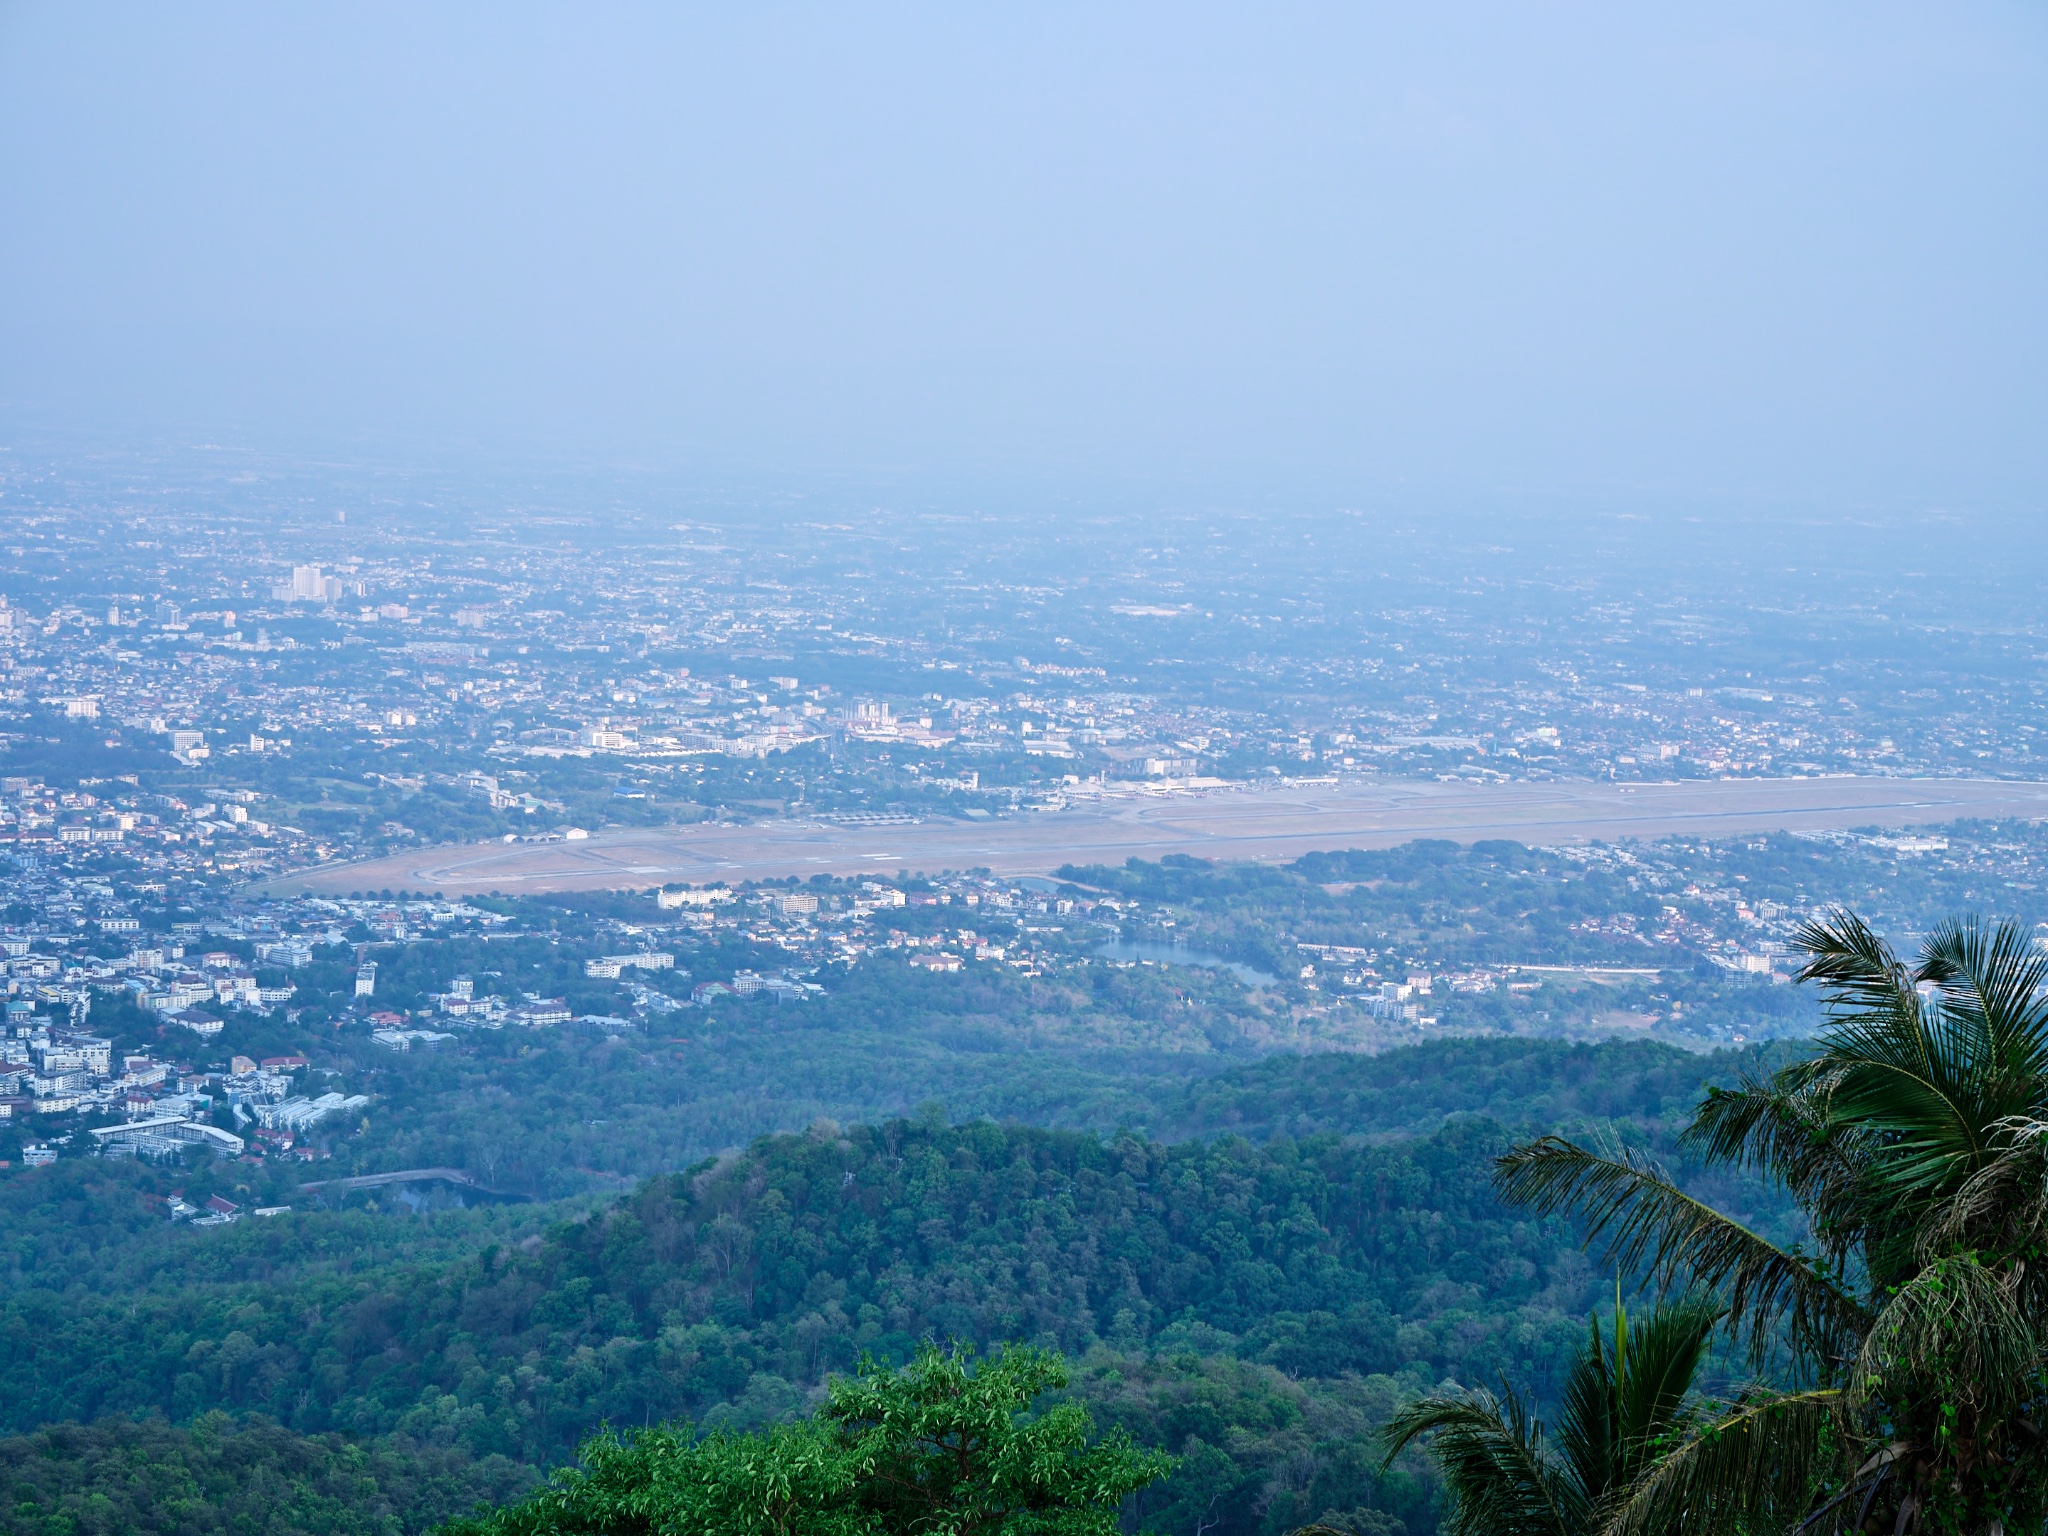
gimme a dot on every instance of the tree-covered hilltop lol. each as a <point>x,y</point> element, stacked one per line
<point>220,1476</point>
<point>730,1290</point>
<point>1256,1298</point>
<point>733,1289</point>
<point>100,1224</point>
<point>947,1442</point>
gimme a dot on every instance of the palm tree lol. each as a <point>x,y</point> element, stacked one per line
<point>1627,1397</point>
<point>1915,1139</point>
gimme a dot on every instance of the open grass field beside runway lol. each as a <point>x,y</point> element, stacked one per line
<point>1241,822</point>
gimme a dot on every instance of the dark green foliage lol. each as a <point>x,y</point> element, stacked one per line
<point>1257,1309</point>
<point>938,1446</point>
<point>731,1290</point>
<point>1258,1452</point>
<point>1913,1139</point>
<point>726,1290</point>
<point>1523,1083</point>
<point>1629,1395</point>
<point>221,1477</point>
<point>85,1225</point>
<point>549,1113</point>
<point>548,1109</point>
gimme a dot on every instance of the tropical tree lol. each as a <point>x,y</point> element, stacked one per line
<point>1908,1340</point>
<point>1627,1398</point>
<point>939,1448</point>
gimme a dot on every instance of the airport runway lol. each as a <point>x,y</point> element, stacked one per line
<point>1278,824</point>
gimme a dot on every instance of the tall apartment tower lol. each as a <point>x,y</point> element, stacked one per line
<point>309,584</point>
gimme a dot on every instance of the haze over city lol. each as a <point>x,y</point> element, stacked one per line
<point>1265,758</point>
<point>1728,253</point>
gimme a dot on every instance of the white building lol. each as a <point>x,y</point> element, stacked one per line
<point>167,1134</point>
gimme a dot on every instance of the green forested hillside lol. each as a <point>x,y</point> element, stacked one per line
<point>734,1287</point>
<point>1223,1293</point>
<point>221,1477</point>
<point>1521,1083</point>
<point>558,1112</point>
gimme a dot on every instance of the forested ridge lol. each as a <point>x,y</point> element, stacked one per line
<point>1272,1296</point>
<point>1523,1084</point>
<point>224,1477</point>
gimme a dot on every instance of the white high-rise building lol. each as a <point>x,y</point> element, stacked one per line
<point>309,584</point>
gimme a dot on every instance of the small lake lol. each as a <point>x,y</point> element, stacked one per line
<point>1175,954</point>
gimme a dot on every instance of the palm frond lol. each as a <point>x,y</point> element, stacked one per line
<point>1489,1452</point>
<point>1907,1090</point>
<point>1646,1220</point>
<point>1994,990</point>
<point>1629,1394</point>
<point>1589,1432</point>
<point>1996,976</point>
<point>1908,1087</point>
<point>1782,1128</point>
<point>1755,1468</point>
<point>1858,972</point>
<point>2003,1207</point>
<point>1957,1327</point>
<point>1664,1358</point>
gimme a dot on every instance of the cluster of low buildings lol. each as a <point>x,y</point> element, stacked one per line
<point>161,977</point>
<point>165,1107</point>
<point>167,833</point>
<point>463,1004</point>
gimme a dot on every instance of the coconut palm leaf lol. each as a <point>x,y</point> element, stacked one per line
<point>2003,1208</point>
<point>1994,998</point>
<point>1903,1097</point>
<point>1915,1139</point>
<point>1929,1077</point>
<point>1591,1434</point>
<point>1958,1323</point>
<point>1907,1091</point>
<point>1627,1396</point>
<point>1782,1128</point>
<point>1993,980</point>
<point>1664,1358</point>
<point>1628,1399</point>
<point>1489,1452</point>
<point>1754,1468</point>
<point>1857,971</point>
<point>1647,1220</point>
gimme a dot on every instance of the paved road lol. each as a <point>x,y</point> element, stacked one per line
<point>1272,824</point>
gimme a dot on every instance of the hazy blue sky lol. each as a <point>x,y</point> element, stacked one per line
<point>1788,250</point>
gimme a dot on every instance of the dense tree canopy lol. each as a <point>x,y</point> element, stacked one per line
<point>941,1447</point>
<point>1257,1308</point>
<point>223,1477</point>
<point>1914,1343</point>
<point>732,1289</point>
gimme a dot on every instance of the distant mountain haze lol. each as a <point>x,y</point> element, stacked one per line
<point>1724,251</point>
